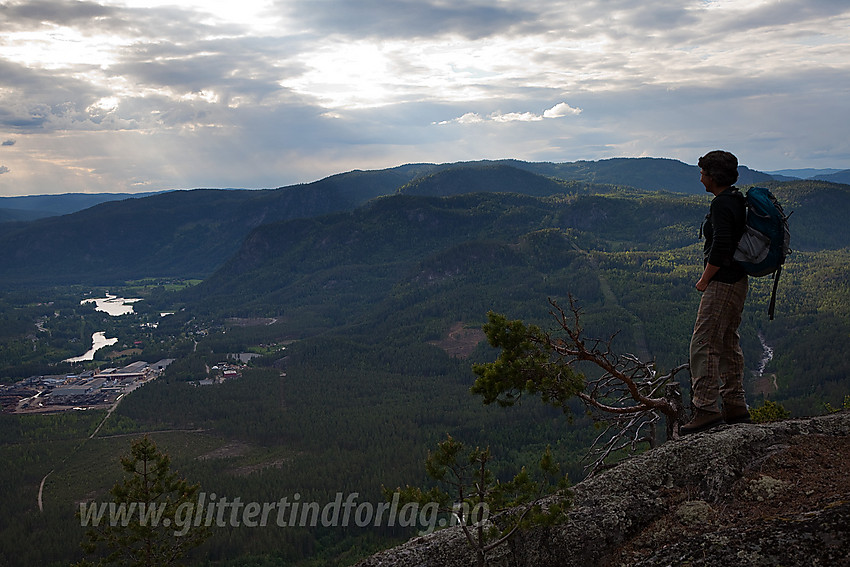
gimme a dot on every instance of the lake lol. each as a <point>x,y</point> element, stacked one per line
<point>112,304</point>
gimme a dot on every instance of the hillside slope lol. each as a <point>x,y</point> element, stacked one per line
<point>478,178</point>
<point>839,177</point>
<point>408,268</point>
<point>649,174</point>
<point>347,261</point>
<point>12,215</point>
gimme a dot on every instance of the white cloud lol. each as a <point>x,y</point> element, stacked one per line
<point>468,118</point>
<point>560,110</point>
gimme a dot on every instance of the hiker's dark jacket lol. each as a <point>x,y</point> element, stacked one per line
<point>722,229</point>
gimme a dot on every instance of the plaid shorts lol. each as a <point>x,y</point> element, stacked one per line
<point>717,362</point>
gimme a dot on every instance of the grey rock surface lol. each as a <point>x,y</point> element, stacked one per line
<point>709,490</point>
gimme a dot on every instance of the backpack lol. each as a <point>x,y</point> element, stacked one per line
<point>765,243</point>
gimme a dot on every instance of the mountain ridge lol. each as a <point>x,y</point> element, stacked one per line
<point>192,233</point>
<point>362,282</point>
<point>41,206</point>
<point>677,176</point>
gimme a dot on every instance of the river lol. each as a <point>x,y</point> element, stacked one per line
<point>99,341</point>
<point>767,355</point>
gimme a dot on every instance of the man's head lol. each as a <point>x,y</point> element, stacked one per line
<point>721,166</point>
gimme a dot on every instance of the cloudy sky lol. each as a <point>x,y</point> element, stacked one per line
<point>142,95</point>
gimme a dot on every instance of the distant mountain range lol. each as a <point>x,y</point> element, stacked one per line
<point>642,173</point>
<point>192,233</point>
<point>33,207</point>
<point>832,175</point>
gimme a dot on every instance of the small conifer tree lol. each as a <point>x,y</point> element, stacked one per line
<point>488,511</point>
<point>152,497</point>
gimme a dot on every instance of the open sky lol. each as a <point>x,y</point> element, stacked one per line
<point>143,95</point>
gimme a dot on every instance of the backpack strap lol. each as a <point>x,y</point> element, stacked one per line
<point>772,307</point>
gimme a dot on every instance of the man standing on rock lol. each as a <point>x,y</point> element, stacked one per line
<point>716,359</point>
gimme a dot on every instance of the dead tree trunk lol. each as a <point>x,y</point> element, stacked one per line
<point>673,395</point>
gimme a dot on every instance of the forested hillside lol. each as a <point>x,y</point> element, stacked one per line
<point>411,267</point>
<point>192,233</point>
<point>652,174</point>
<point>176,234</point>
<point>8,215</point>
<point>839,177</point>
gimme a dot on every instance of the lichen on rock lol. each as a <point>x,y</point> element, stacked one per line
<point>765,488</point>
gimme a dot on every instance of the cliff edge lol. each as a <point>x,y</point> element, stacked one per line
<point>743,495</point>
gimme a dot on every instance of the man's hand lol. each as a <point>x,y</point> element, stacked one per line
<point>707,274</point>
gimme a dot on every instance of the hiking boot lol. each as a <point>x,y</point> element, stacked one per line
<point>736,414</point>
<point>701,420</point>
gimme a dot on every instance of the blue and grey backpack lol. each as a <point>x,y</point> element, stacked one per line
<point>766,240</point>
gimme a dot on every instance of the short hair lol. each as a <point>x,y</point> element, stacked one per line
<point>720,166</point>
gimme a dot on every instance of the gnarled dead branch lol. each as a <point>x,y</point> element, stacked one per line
<point>630,396</point>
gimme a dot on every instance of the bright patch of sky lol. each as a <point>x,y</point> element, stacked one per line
<point>108,95</point>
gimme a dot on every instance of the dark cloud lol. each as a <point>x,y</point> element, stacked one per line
<point>407,18</point>
<point>170,23</point>
<point>26,15</point>
<point>25,118</point>
<point>245,70</point>
<point>788,12</point>
<point>34,98</point>
<point>233,67</point>
<point>662,17</point>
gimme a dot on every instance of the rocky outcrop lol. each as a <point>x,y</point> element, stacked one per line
<point>742,495</point>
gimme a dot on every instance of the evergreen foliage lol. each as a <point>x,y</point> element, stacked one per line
<point>769,411</point>
<point>844,406</point>
<point>488,511</point>
<point>146,539</point>
<point>525,364</point>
